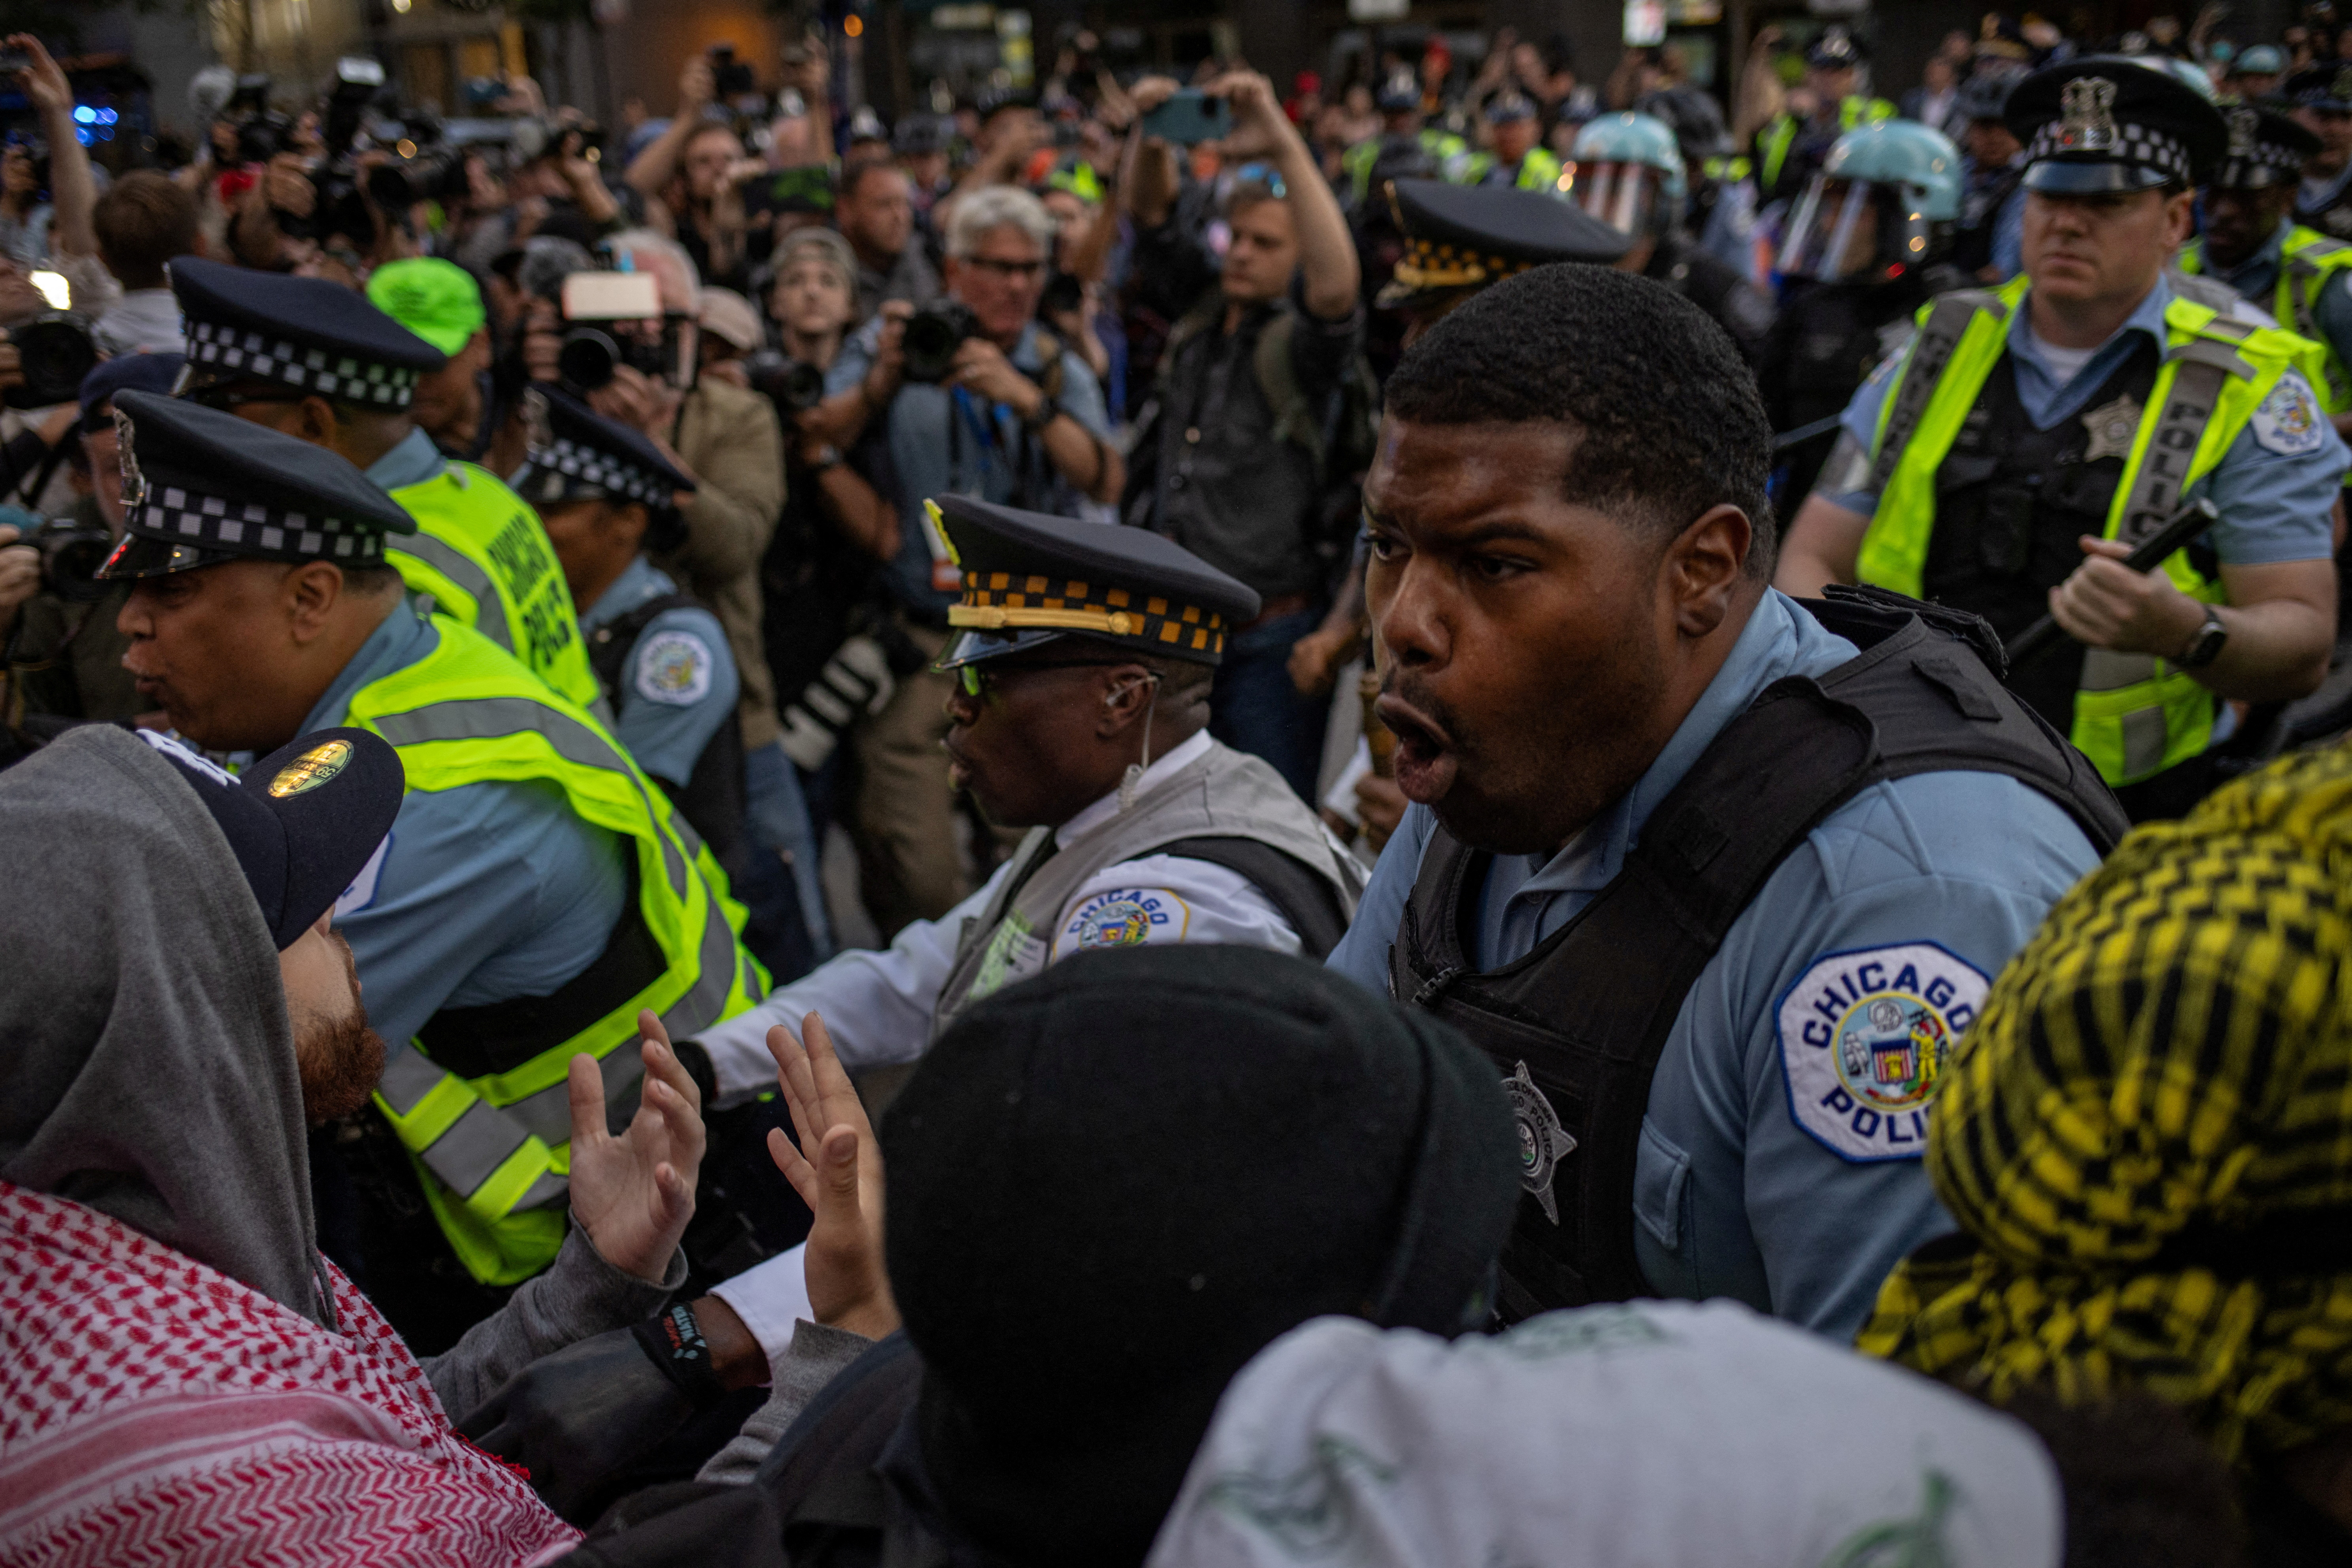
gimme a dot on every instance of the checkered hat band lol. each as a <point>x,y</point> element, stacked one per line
<point>2140,144</point>
<point>589,466</point>
<point>232,350</point>
<point>186,517</point>
<point>997,600</point>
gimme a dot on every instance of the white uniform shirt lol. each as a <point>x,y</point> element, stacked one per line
<point>877,1006</point>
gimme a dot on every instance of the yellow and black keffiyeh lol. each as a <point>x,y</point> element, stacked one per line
<point>2149,1139</point>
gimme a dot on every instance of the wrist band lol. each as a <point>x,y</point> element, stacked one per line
<point>673,1340</point>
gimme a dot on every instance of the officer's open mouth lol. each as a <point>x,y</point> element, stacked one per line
<point>1422,746</point>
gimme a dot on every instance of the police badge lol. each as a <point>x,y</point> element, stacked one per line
<point>135,483</point>
<point>2112,426</point>
<point>2086,108</point>
<point>1543,1142</point>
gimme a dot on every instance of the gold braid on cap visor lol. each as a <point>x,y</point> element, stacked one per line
<point>1013,601</point>
<point>1429,265</point>
<point>2168,1063</point>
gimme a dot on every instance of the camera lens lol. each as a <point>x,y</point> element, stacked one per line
<point>70,565</point>
<point>804,387</point>
<point>587,358</point>
<point>55,352</point>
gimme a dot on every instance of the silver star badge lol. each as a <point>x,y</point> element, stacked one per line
<point>2112,426</point>
<point>1543,1142</point>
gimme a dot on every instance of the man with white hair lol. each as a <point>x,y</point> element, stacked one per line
<point>979,400</point>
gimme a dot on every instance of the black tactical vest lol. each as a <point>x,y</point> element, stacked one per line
<point>1576,1026</point>
<point>711,798</point>
<point>2012,500</point>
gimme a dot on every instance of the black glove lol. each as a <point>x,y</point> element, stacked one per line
<point>574,1417</point>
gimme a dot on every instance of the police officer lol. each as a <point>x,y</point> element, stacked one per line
<point>1789,147</point>
<point>1992,208</point>
<point>1671,861</point>
<point>2071,412</point>
<point>610,499</point>
<point>1404,148</point>
<point>1084,657</point>
<point>2321,94</point>
<point>1517,160</point>
<point>312,359</point>
<point>536,893</point>
<point>1629,175</point>
<point>2252,243</point>
<point>1862,252</point>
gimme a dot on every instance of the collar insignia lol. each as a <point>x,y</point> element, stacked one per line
<point>2087,106</point>
<point>2112,426</point>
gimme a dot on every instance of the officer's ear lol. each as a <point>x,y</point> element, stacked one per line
<point>311,591</point>
<point>2180,217</point>
<point>317,423</point>
<point>626,525</point>
<point>1705,568</point>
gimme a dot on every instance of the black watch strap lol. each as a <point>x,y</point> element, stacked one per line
<point>2206,646</point>
<point>1048,409</point>
<point>674,1341</point>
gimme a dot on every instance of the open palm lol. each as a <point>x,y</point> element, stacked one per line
<point>634,1193</point>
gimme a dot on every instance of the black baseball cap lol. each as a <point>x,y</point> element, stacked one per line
<point>304,821</point>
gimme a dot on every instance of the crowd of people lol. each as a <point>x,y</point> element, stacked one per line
<point>1572,823</point>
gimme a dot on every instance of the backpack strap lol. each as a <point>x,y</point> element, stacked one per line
<point>1948,319</point>
<point>1294,421</point>
<point>1306,899</point>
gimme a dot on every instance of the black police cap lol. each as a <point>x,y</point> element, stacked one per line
<point>303,822</point>
<point>1029,578</point>
<point>2113,122</point>
<point>2266,149</point>
<point>2325,85</point>
<point>201,487</point>
<point>1467,237</point>
<point>576,453</point>
<point>1835,50</point>
<point>304,332</point>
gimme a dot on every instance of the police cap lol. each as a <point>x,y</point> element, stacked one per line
<point>2325,86</point>
<point>308,333</point>
<point>2266,149</point>
<point>1466,237</point>
<point>577,454</point>
<point>1509,108</point>
<point>1835,50</point>
<point>1029,579</point>
<point>2108,122</point>
<point>2262,60</point>
<point>201,487</point>
<point>1399,94</point>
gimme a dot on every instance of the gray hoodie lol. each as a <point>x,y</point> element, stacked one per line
<point>147,1066</point>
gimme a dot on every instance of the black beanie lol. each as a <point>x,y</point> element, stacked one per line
<point>1110,1187</point>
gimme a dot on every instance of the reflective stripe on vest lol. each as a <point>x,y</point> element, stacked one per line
<point>2309,262</point>
<point>496,571</point>
<point>2134,715</point>
<point>495,1149</point>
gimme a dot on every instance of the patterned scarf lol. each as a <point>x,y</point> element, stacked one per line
<point>153,1410</point>
<point>2150,1127</point>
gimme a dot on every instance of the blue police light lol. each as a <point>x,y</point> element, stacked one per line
<point>84,114</point>
<point>81,134</point>
<point>107,117</point>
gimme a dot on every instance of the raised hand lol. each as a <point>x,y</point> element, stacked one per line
<point>634,1193</point>
<point>848,1285</point>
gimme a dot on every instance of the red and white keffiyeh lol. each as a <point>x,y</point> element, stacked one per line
<point>153,1410</point>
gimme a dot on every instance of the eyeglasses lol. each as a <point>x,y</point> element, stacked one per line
<point>1010,270</point>
<point>978,679</point>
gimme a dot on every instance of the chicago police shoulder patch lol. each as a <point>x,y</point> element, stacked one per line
<point>1866,1038</point>
<point>1124,917</point>
<point>2288,422</point>
<point>673,667</point>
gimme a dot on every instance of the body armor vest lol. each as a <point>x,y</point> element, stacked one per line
<point>1576,1026</point>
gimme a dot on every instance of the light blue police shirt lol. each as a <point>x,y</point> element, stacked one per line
<point>412,461</point>
<point>2275,487</point>
<point>1759,1175</point>
<point>481,893</point>
<point>2257,277</point>
<point>679,683</point>
<point>945,441</point>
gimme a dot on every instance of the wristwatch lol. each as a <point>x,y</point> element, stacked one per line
<point>1044,414</point>
<point>2206,646</point>
<point>828,457</point>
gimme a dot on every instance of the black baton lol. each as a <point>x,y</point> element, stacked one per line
<point>2178,529</point>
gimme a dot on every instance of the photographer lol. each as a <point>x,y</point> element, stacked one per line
<point>874,206</point>
<point>1009,414</point>
<point>688,178</point>
<point>1233,463</point>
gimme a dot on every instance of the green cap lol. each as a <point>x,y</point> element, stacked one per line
<point>436,299</point>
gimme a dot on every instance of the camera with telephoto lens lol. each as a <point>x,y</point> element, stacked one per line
<point>54,351</point>
<point>933,334</point>
<point>71,552</point>
<point>794,385</point>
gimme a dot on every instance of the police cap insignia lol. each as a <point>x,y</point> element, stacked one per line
<point>2241,132</point>
<point>311,769</point>
<point>2087,108</point>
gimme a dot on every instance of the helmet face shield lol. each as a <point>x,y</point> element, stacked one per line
<point>1622,195</point>
<point>1852,231</point>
